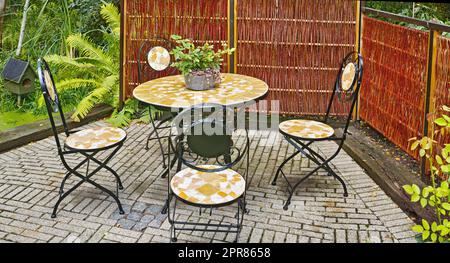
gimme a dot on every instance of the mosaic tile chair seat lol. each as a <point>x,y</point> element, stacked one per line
<point>207,186</point>
<point>154,61</point>
<point>87,143</point>
<point>302,134</point>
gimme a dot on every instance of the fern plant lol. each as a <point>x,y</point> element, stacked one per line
<point>95,69</point>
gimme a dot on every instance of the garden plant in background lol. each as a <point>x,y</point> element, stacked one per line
<point>95,69</point>
<point>436,195</point>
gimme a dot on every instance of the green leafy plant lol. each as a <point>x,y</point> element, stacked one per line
<point>190,58</point>
<point>95,69</point>
<point>436,195</point>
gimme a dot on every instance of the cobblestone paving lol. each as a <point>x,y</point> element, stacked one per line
<point>30,177</point>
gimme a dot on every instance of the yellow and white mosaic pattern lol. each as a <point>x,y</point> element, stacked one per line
<point>348,76</point>
<point>49,84</point>
<point>95,138</point>
<point>158,58</point>
<point>208,188</point>
<point>306,129</point>
<point>172,92</point>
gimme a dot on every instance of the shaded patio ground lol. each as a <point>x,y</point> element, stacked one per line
<point>30,178</point>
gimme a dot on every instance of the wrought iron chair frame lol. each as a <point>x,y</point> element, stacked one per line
<point>55,105</point>
<point>164,119</point>
<point>241,201</point>
<point>303,145</point>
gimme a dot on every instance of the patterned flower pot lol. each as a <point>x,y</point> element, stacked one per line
<point>202,79</point>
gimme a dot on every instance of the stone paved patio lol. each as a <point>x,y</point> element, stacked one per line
<point>30,177</point>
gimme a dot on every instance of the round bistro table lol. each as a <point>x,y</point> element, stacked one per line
<point>171,92</point>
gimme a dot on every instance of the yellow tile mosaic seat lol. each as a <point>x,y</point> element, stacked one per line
<point>203,188</point>
<point>95,138</point>
<point>306,129</point>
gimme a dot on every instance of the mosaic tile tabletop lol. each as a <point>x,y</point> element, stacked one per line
<point>172,92</point>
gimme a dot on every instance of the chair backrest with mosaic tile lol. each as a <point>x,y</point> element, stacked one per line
<point>347,85</point>
<point>154,59</point>
<point>207,130</point>
<point>51,97</point>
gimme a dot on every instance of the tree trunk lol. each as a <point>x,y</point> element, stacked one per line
<point>2,11</point>
<point>22,27</point>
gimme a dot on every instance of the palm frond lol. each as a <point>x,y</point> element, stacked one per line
<point>67,62</point>
<point>126,115</point>
<point>110,13</point>
<point>75,83</point>
<point>88,49</point>
<point>70,84</point>
<point>86,104</point>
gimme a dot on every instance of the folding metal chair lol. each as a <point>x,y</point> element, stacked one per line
<point>87,142</point>
<point>205,135</point>
<point>154,62</point>
<point>302,134</point>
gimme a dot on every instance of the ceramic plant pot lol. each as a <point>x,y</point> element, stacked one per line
<point>202,79</point>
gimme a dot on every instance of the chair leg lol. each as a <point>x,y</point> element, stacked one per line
<point>315,157</point>
<point>274,182</point>
<point>173,237</point>
<point>63,196</point>
<point>318,160</point>
<point>166,205</point>
<point>119,181</point>
<point>87,179</point>
<point>158,137</point>
<point>332,173</point>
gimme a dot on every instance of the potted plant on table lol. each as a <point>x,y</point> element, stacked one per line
<point>200,65</point>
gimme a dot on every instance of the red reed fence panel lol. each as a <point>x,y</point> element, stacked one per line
<point>200,20</point>
<point>393,89</point>
<point>442,93</point>
<point>296,47</point>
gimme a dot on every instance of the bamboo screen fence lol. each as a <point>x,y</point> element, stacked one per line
<point>393,89</point>
<point>296,47</point>
<point>442,91</point>
<point>199,20</point>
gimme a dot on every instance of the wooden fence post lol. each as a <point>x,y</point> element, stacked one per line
<point>232,34</point>
<point>358,33</point>
<point>430,99</point>
<point>123,58</point>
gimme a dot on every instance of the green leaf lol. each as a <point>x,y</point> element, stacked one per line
<point>416,189</point>
<point>425,224</point>
<point>417,228</point>
<point>408,189</point>
<point>446,206</point>
<point>425,235</point>
<point>415,197</point>
<point>447,119</point>
<point>423,202</point>
<point>414,145</point>
<point>444,185</point>
<point>434,227</point>
<point>426,192</point>
<point>433,237</point>
<point>441,122</point>
<point>422,153</point>
<point>445,231</point>
<point>439,160</point>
